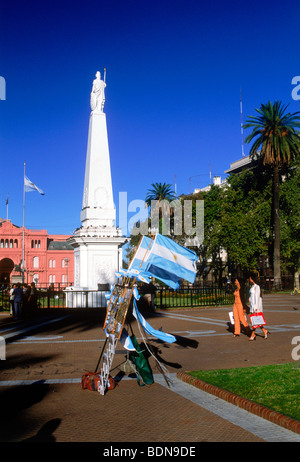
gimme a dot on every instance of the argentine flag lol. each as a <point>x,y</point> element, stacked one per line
<point>169,338</point>
<point>134,274</point>
<point>140,257</point>
<point>29,186</point>
<point>170,262</point>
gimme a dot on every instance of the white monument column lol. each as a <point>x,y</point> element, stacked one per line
<point>97,243</point>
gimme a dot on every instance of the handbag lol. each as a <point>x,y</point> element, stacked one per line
<point>257,319</point>
<point>231,317</point>
<point>91,381</point>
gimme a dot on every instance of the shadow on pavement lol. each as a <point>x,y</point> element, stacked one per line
<point>14,401</point>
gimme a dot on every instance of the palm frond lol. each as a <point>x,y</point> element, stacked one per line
<point>274,133</point>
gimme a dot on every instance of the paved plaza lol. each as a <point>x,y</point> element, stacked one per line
<point>42,399</point>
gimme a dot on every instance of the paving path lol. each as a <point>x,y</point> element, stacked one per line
<point>45,358</point>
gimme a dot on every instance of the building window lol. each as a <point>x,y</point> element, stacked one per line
<point>35,278</point>
<point>16,243</point>
<point>35,262</point>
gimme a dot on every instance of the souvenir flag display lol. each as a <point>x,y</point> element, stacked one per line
<point>158,257</point>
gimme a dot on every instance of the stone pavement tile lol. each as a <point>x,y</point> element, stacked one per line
<point>247,404</point>
<point>65,412</point>
<point>129,413</point>
<point>268,431</point>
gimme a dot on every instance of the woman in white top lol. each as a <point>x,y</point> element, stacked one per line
<point>256,305</point>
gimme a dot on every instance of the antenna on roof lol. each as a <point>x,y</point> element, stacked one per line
<point>242,130</point>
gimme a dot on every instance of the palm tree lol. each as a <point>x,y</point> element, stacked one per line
<point>162,193</point>
<point>276,142</point>
<point>159,192</point>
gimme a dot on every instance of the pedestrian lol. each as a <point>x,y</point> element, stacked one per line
<point>238,311</point>
<point>26,296</point>
<point>32,299</point>
<point>18,298</point>
<point>256,305</point>
<point>11,299</point>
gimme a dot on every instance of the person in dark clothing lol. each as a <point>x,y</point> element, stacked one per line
<point>18,298</point>
<point>32,300</point>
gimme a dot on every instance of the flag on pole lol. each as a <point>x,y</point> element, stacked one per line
<point>170,262</point>
<point>139,259</point>
<point>30,186</point>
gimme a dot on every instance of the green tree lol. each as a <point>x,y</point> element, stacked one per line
<point>211,252</point>
<point>276,141</point>
<point>236,225</point>
<point>158,199</point>
<point>290,218</point>
<point>245,219</point>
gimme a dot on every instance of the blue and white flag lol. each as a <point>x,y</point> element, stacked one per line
<point>139,259</point>
<point>126,341</point>
<point>134,274</point>
<point>170,262</point>
<point>29,186</point>
<point>169,338</point>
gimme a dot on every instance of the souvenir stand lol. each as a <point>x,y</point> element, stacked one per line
<point>157,257</point>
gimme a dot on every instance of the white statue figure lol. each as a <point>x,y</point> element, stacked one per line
<point>97,94</point>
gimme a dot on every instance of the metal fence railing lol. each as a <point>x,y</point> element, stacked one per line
<point>192,297</point>
<point>58,297</point>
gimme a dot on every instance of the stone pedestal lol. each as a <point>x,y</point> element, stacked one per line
<point>96,258</point>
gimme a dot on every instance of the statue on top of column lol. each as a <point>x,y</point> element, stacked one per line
<point>97,93</point>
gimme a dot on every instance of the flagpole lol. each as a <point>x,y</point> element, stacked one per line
<point>23,247</point>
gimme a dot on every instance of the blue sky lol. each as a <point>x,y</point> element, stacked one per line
<point>174,74</point>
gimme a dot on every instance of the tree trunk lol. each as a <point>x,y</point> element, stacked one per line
<point>276,262</point>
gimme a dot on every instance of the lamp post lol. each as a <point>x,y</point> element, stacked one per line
<point>67,265</point>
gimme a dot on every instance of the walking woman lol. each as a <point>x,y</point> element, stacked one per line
<point>238,311</point>
<point>256,304</point>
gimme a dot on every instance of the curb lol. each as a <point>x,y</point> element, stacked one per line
<point>250,406</point>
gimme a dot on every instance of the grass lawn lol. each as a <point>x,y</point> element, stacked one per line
<point>276,386</point>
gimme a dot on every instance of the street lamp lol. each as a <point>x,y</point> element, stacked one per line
<point>67,265</point>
